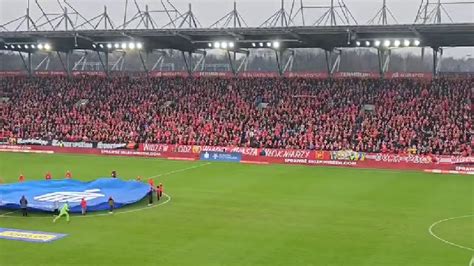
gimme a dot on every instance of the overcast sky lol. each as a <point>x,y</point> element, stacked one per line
<point>253,11</point>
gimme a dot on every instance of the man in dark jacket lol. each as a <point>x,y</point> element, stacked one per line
<point>24,205</point>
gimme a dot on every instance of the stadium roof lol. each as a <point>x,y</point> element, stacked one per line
<point>326,37</point>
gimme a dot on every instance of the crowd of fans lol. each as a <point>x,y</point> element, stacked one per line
<point>398,115</point>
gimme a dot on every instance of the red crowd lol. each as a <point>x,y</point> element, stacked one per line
<point>397,115</point>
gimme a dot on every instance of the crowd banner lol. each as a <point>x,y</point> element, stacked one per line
<point>43,195</point>
<point>216,156</point>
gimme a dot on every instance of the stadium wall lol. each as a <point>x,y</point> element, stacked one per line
<point>269,156</point>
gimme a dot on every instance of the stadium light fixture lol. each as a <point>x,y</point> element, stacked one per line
<point>217,45</point>
<point>357,43</point>
<point>101,45</point>
<point>18,46</point>
<point>123,45</point>
<point>224,45</point>
<point>367,43</point>
<point>139,45</point>
<point>276,45</point>
<point>40,46</point>
<point>94,45</point>
<point>33,46</point>
<point>260,44</point>
<point>416,42</point>
<point>406,43</point>
<point>26,46</point>
<point>376,43</point>
<point>131,46</point>
<point>117,45</point>
<point>396,43</point>
<point>386,43</point>
<point>5,46</point>
<point>209,45</point>
<point>109,46</point>
<point>269,44</point>
<point>47,47</point>
<point>254,44</point>
<point>231,45</point>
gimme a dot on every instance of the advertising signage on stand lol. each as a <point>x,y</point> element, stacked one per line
<point>214,156</point>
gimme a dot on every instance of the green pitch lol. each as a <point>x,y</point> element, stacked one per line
<point>232,214</point>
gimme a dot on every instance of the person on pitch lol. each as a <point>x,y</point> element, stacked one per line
<point>114,174</point>
<point>161,190</point>
<point>21,178</point>
<point>63,212</point>
<point>48,176</point>
<point>150,196</point>
<point>83,206</point>
<point>151,182</point>
<point>158,193</point>
<point>68,174</point>
<point>111,205</point>
<point>24,205</point>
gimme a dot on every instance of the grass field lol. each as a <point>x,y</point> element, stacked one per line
<point>233,214</point>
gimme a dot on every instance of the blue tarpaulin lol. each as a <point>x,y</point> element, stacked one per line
<point>47,195</point>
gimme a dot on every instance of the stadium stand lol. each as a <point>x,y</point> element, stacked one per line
<point>370,115</point>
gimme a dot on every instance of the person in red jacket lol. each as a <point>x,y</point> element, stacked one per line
<point>48,176</point>
<point>151,182</point>
<point>21,178</point>
<point>158,193</point>
<point>161,190</point>
<point>83,206</point>
<point>68,174</point>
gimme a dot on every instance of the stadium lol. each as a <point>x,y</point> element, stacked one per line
<point>310,132</point>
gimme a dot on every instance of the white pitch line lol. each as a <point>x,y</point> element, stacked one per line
<point>180,170</point>
<point>446,241</point>
<point>7,213</point>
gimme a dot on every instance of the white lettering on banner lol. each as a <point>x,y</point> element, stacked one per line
<point>66,144</point>
<point>155,147</point>
<point>70,196</point>
<point>15,147</point>
<point>32,141</point>
<point>101,145</point>
<point>324,162</point>
<point>286,153</point>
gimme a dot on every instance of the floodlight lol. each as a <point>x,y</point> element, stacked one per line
<point>12,46</point>
<point>357,43</point>
<point>26,46</point>
<point>276,45</point>
<point>224,45</point>
<point>139,45</point>
<point>367,43</point>
<point>416,42</point>
<point>231,44</point>
<point>101,45</point>
<point>260,44</point>
<point>209,45</point>
<point>376,43</point>
<point>396,43</point>
<point>131,45</point>
<point>109,46</point>
<point>6,46</point>
<point>19,46</point>
<point>47,46</point>
<point>93,45</point>
<point>217,45</point>
<point>269,44</point>
<point>254,44</point>
<point>33,46</point>
<point>123,45</point>
<point>386,43</point>
<point>406,43</point>
<point>40,46</point>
